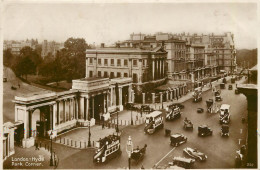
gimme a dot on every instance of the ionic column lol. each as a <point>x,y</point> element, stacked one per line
<point>25,125</point>
<point>171,94</point>
<point>162,71</point>
<point>54,116</point>
<point>120,95</point>
<point>161,97</point>
<point>167,95</point>
<point>93,108</point>
<point>153,68</point>
<point>87,108</point>
<point>104,105</point>
<point>143,95</point>
<point>111,96</point>
<point>64,110</point>
<point>30,122</point>
<point>129,93</point>
<point>76,108</point>
<point>69,109</point>
<point>58,112</point>
<point>153,97</point>
<point>157,70</point>
<point>133,96</point>
<point>51,117</point>
<point>107,102</point>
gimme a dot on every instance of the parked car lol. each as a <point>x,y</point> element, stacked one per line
<point>204,130</point>
<point>230,87</point>
<point>177,139</point>
<point>194,153</point>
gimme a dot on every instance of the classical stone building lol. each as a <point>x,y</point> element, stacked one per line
<point>191,57</point>
<point>146,66</point>
<point>83,105</point>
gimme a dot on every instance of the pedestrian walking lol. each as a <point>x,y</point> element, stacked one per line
<point>19,85</point>
<point>36,146</point>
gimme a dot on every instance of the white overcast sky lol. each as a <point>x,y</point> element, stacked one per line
<point>112,22</point>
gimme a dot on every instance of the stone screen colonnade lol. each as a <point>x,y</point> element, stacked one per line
<point>64,109</point>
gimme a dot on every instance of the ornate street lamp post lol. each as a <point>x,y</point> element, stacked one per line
<point>129,150</point>
<point>132,123</point>
<point>51,160</point>
<point>89,134</point>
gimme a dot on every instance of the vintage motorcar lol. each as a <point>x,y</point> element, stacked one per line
<point>222,85</point>
<point>197,95</point>
<point>204,130</point>
<point>194,153</point>
<point>129,106</point>
<point>224,116</point>
<point>230,87</point>
<point>217,96</point>
<point>200,110</point>
<point>224,80</point>
<point>177,139</point>
<point>182,162</point>
<point>173,114</point>
<point>224,130</point>
<point>233,79</point>
<point>181,106</point>
<point>209,103</point>
<point>138,154</point>
<point>187,124</point>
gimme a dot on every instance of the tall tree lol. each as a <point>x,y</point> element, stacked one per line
<point>73,58</point>
<point>8,57</point>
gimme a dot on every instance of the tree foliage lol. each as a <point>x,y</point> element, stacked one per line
<point>8,58</point>
<point>73,58</point>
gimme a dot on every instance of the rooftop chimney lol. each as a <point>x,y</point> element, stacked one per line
<point>102,45</point>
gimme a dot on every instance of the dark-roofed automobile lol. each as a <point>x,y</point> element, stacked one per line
<point>204,130</point>
<point>178,139</point>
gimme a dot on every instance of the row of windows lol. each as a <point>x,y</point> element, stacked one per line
<point>119,63</point>
<point>106,74</point>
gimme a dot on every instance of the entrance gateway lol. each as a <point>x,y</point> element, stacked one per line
<point>85,103</point>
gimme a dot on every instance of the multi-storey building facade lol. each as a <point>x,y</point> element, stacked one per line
<point>191,57</point>
<point>146,66</point>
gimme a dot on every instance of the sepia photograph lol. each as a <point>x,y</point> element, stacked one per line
<point>129,84</point>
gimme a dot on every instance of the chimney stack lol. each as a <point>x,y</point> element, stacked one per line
<point>102,45</point>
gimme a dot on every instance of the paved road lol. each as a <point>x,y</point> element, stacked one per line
<point>220,150</point>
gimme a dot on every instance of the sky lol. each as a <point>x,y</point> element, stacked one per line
<point>110,22</point>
